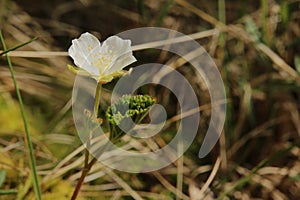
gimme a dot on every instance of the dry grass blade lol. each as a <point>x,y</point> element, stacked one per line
<point>169,186</point>
<point>49,54</point>
<point>179,182</point>
<point>58,170</point>
<point>195,110</point>
<point>37,54</point>
<point>200,13</point>
<point>239,143</point>
<point>210,178</point>
<point>267,184</point>
<point>295,116</point>
<point>278,61</point>
<point>123,184</point>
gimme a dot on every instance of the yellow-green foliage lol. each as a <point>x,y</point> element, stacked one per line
<point>61,190</point>
<point>10,117</point>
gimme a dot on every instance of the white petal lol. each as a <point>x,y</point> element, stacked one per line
<point>82,49</point>
<point>88,42</point>
<point>116,46</point>
<point>76,54</point>
<point>120,63</point>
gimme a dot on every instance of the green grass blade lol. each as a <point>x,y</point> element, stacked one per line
<point>27,135</point>
<point>2,177</point>
<point>6,192</point>
<point>164,12</point>
<point>18,46</point>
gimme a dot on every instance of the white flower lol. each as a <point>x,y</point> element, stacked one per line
<point>102,62</point>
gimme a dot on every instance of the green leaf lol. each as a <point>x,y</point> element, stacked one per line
<point>2,176</point>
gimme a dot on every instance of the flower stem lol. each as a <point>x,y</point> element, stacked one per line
<point>87,166</point>
<point>97,99</point>
<point>27,134</point>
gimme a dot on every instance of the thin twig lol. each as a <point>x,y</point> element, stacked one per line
<point>169,186</point>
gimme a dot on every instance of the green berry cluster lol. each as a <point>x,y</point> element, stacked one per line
<point>129,106</point>
<point>135,107</point>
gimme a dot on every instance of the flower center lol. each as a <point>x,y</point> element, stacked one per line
<point>102,60</point>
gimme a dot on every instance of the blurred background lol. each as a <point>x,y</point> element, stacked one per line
<point>255,45</point>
